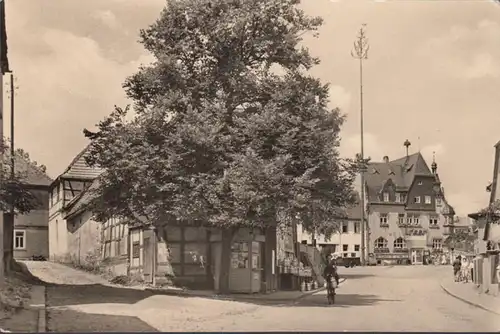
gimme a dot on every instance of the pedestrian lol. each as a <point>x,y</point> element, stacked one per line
<point>457,265</point>
<point>464,270</point>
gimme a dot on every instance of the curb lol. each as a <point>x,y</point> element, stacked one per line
<point>184,293</point>
<point>38,303</point>
<point>466,300</point>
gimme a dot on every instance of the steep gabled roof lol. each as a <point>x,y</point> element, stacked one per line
<point>78,168</point>
<point>401,172</point>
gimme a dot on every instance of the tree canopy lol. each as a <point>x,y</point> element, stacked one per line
<point>13,188</point>
<point>230,129</point>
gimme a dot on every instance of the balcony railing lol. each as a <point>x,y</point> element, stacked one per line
<point>381,250</point>
<point>400,250</point>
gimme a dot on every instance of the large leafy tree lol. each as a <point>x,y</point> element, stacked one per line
<point>230,129</point>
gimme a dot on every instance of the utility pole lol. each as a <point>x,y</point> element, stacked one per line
<point>360,52</point>
<point>9,223</point>
<point>3,68</point>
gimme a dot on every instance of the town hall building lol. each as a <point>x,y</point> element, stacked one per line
<point>408,214</point>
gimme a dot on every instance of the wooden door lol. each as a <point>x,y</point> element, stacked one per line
<point>149,257</point>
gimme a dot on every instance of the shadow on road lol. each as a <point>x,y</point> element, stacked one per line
<point>342,300</point>
<point>73,321</point>
<point>355,276</point>
<point>61,295</point>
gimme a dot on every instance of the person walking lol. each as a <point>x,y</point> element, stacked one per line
<point>457,266</point>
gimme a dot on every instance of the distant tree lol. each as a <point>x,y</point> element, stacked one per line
<point>221,138</point>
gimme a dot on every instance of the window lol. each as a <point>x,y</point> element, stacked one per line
<point>401,219</point>
<point>438,201</point>
<point>398,197</point>
<point>195,253</point>
<point>19,239</point>
<point>409,219</point>
<point>345,227</point>
<point>386,197</point>
<point>416,220</point>
<point>428,200</point>
<point>417,199</point>
<point>384,218</point>
<point>403,198</point>
<point>239,255</point>
<point>356,248</point>
<point>433,221</point>
<point>357,227</point>
<point>380,243</point>
<point>437,243</point>
<point>345,248</point>
<point>399,243</point>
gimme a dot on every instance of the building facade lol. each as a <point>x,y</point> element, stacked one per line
<point>31,229</point>
<point>65,190</point>
<point>346,243</point>
<point>407,210</point>
<point>487,243</point>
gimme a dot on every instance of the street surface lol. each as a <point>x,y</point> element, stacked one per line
<point>371,299</point>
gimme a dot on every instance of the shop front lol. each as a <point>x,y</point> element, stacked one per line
<point>288,264</point>
<point>392,258</point>
<point>246,269</point>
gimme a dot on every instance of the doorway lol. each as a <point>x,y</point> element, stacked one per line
<point>417,256</point>
<point>149,256</point>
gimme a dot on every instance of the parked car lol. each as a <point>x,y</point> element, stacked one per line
<point>349,262</point>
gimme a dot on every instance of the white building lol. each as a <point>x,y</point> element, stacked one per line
<point>347,242</point>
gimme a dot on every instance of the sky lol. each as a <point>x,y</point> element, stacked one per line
<point>432,77</point>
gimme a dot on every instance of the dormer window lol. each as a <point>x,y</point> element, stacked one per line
<point>420,183</point>
<point>386,197</point>
<point>398,198</point>
<point>409,168</point>
<point>374,171</point>
<point>417,199</point>
<point>391,172</point>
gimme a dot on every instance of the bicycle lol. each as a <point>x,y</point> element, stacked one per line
<point>331,285</point>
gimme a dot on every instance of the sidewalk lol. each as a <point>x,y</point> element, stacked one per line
<point>468,293</point>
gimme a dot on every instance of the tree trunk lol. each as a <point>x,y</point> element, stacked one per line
<point>225,260</point>
<point>8,238</point>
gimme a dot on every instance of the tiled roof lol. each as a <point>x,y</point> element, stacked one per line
<point>78,168</point>
<point>32,175</point>
<point>401,172</point>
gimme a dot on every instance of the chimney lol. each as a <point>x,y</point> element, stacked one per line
<point>386,159</point>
